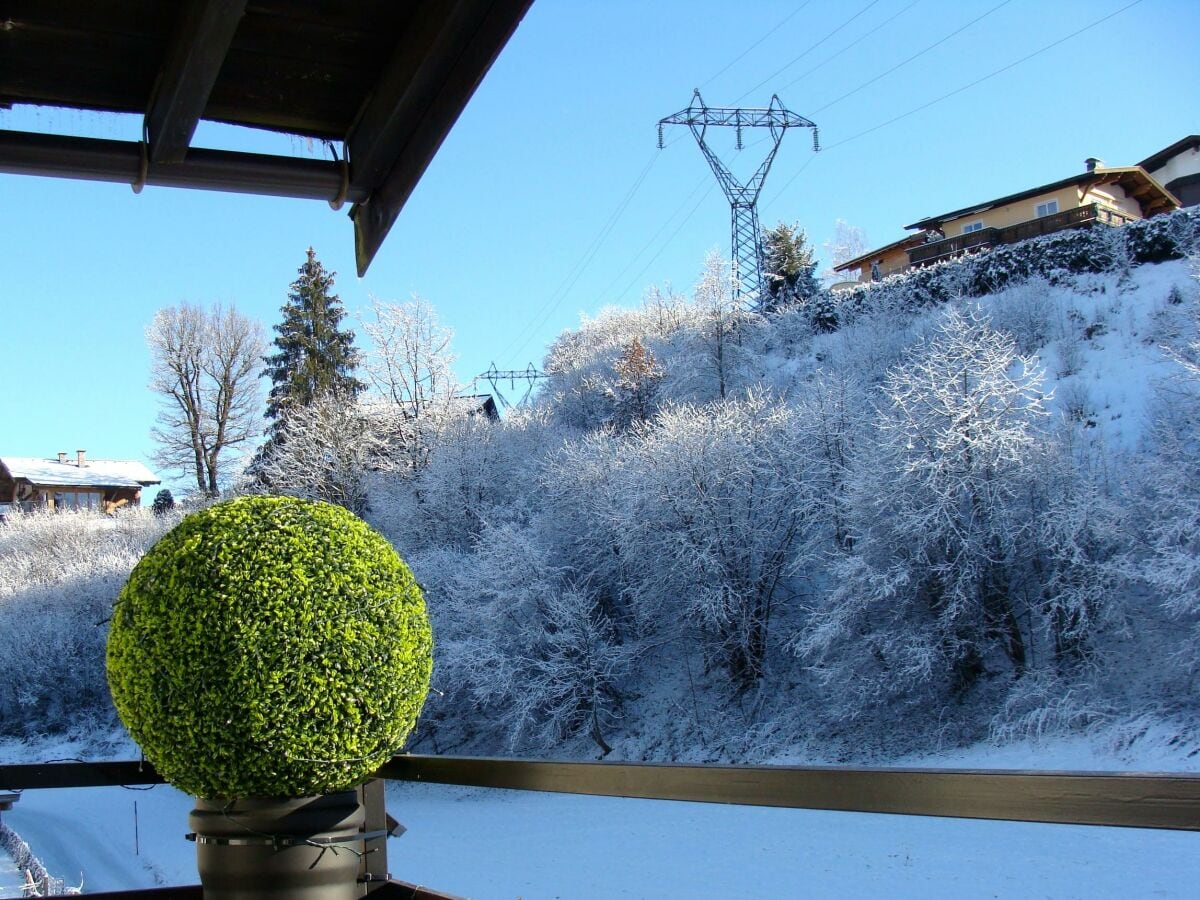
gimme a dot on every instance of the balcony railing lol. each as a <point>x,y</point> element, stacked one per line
<point>1077,798</point>
<point>990,237</point>
<point>953,246</point>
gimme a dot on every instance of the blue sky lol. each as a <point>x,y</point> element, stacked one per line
<point>511,232</point>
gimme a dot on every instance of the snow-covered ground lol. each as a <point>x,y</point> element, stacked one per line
<point>484,843</point>
<point>10,878</point>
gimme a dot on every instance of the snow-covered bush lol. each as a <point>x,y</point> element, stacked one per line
<point>924,602</point>
<point>60,574</point>
<point>532,655</point>
<point>1053,257</point>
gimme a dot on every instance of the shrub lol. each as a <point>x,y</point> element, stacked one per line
<point>164,502</point>
<point>269,646</point>
<point>61,573</point>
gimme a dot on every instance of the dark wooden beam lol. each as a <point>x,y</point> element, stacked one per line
<point>28,776</point>
<point>1134,799</point>
<point>401,128</point>
<point>96,159</point>
<point>406,86</point>
<point>388,890</point>
<point>1079,798</point>
<point>194,56</point>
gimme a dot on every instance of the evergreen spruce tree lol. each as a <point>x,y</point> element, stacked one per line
<point>789,269</point>
<point>315,358</point>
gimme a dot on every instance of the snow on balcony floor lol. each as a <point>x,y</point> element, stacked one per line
<point>486,843</point>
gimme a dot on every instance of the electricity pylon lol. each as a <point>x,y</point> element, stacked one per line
<point>743,198</point>
<point>494,377</point>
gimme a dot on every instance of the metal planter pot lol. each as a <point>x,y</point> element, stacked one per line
<point>303,848</point>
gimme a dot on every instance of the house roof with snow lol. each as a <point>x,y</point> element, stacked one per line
<point>1135,180</point>
<point>100,473</point>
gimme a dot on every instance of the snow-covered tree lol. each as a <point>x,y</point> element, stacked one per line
<point>788,267</point>
<point>925,600</point>
<point>831,421</point>
<point>715,506</point>
<point>326,450</point>
<point>849,241</point>
<point>411,366</point>
<point>1171,479</point>
<point>638,378</point>
<point>720,357</point>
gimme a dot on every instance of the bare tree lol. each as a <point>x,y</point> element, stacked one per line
<point>411,365</point>
<point>849,241</point>
<point>204,367</point>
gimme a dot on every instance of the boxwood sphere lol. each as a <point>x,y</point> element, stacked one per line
<point>269,647</point>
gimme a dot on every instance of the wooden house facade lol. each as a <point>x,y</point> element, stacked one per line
<point>103,485</point>
<point>1098,196</point>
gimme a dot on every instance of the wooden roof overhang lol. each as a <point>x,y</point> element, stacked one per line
<point>386,79</point>
<point>1134,180</point>
<point>1166,154</point>
<point>905,243</point>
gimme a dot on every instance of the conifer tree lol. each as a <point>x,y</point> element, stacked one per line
<point>788,266</point>
<point>314,358</point>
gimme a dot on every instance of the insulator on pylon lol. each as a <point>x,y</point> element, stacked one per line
<point>816,139</point>
<point>660,136</point>
<point>739,137</point>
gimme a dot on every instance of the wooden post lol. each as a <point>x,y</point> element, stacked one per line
<point>373,867</point>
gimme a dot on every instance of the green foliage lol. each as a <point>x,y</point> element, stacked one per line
<point>314,357</point>
<point>788,266</point>
<point>269,646</point>
<point>164,502</point>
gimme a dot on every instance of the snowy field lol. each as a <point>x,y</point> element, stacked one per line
<point>10,878</point>
<point>485,843</point>
<point>519,844</point>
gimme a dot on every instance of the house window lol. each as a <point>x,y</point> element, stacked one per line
<point>1049,208</point>
<point>972,226</point>
<point>76,500</point>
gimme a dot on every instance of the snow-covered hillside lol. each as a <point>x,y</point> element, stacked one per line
<point>901,521</point>
<point>951,520</point>
<point>956,506</point>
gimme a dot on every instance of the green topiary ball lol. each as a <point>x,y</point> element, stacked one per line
<point>269,647</point>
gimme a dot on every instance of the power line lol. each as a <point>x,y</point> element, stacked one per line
<point>581,264</point>
<point>787,184</point>
<point>851,45</point>
<point>919,53</point>
<point>654,237</point>
<point>636,278</point>
<point>956,91</point>
<point>576,272</point>
<point>753,46</point>
<point>806,52</point>
<point>984,78</point>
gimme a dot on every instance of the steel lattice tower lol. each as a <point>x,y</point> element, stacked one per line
<point>743,198</point>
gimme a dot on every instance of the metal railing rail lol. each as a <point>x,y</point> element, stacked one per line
<point>1139,800</point>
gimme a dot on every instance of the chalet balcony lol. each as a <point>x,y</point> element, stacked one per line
<point>1083,216</point>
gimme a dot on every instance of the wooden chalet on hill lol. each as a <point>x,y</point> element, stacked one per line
<point>1096,196</point>
<point>103,485</point>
